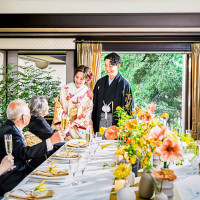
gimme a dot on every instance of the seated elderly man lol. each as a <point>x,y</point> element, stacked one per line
<point>18,115</point>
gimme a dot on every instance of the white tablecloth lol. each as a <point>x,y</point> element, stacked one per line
<point>99,181</point>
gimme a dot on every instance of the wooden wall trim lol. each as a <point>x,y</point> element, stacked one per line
<point>101,20</point>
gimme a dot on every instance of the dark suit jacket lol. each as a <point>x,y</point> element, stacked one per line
<point>119,99</point>
<point>21,153</point>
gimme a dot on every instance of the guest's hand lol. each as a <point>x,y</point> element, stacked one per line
<point>58,137</point>
<point>6,164</point>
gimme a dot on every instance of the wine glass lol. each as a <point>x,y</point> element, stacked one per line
<point>73,166</point>
<point>8,145</point>
<point>98,137</point>
<point>63,121</point>
<point>83,165</point>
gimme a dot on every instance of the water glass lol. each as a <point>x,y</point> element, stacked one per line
<point>83,164</point>
<point>195,166</point>
<point>73,166</point>
<point>98,137</point>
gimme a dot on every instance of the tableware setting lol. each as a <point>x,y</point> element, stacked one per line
<point>38,192</point>
<point>50,172</point>
<point>76,145</point>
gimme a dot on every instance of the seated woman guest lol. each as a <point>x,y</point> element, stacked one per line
<point>6,164</point>
<point>38,125</point>
<point>75,101</point>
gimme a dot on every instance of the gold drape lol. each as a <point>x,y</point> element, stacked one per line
<point>89,54</point>
<point>195,48</point>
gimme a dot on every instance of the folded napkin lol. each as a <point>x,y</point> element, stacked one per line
<point>49,174</point>
<point>64,155</point>
<point>25,194</point>
<point>76,145</point>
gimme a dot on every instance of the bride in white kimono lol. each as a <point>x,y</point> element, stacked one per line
<point>75,101</point>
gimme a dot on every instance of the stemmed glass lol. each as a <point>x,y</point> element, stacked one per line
<point>83,165</point>
<point>73,166</point>
<point>94,146</point>
<point>63,121</point>
<point>98,137</point>
<point>9,145</point>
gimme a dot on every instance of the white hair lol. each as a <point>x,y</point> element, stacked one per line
<point>16,109</point>
<point>38,105</point>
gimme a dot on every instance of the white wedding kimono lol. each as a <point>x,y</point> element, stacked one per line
<point>77,104</point>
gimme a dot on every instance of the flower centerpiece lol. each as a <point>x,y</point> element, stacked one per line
<point>142,135</point>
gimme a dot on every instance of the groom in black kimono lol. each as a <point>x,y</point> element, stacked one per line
<point>109,92</point>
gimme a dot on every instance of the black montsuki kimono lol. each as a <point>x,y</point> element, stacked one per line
<point>115,92</point>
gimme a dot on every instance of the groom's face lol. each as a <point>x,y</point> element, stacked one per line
<point>111,70</point>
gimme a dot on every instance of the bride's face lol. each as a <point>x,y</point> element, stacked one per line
<point>79,79</point>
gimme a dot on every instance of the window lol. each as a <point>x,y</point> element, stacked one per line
<point>155,78</point>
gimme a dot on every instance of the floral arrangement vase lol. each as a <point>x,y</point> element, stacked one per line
<point>135,168</point>
<point>156,160</point>
<point>126,193</point>
<point>167,188</point>
<point>146,187</point>
<point>131,179</point>
<point>160,196</point>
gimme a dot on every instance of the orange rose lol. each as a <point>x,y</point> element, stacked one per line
<point>166,174</point>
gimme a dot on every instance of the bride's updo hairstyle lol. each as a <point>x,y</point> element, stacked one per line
<point>87,72</point>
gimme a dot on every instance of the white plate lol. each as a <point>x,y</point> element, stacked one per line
<point>59,158</point>
<point>46,177</point>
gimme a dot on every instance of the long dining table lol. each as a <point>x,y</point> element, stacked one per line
<point>98,179</point>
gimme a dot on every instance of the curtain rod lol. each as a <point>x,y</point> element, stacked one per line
<point>89,41</point>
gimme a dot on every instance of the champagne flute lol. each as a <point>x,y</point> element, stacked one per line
<point>8,145</point>
<point>63,121</point>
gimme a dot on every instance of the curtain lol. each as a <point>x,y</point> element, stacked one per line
<point>195,48</point>
<point>89,54</point>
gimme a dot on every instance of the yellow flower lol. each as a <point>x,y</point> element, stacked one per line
<point>122,171</point>
<point>133,160</point>
<point>142,142</point>
<point>120,150</point>
<point>118,108</point>
<point>102,130</point>
<point>51,168</point>
<point>135,147</point>
<point>149,153</point>
<point>166,115</point>
<point>186,139</point>
<point>68,152</point>
<point>104,146</point>
<point>145,148</point>
<point>145,161</point>
<point>139,153</point>
<point>40,188</point>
